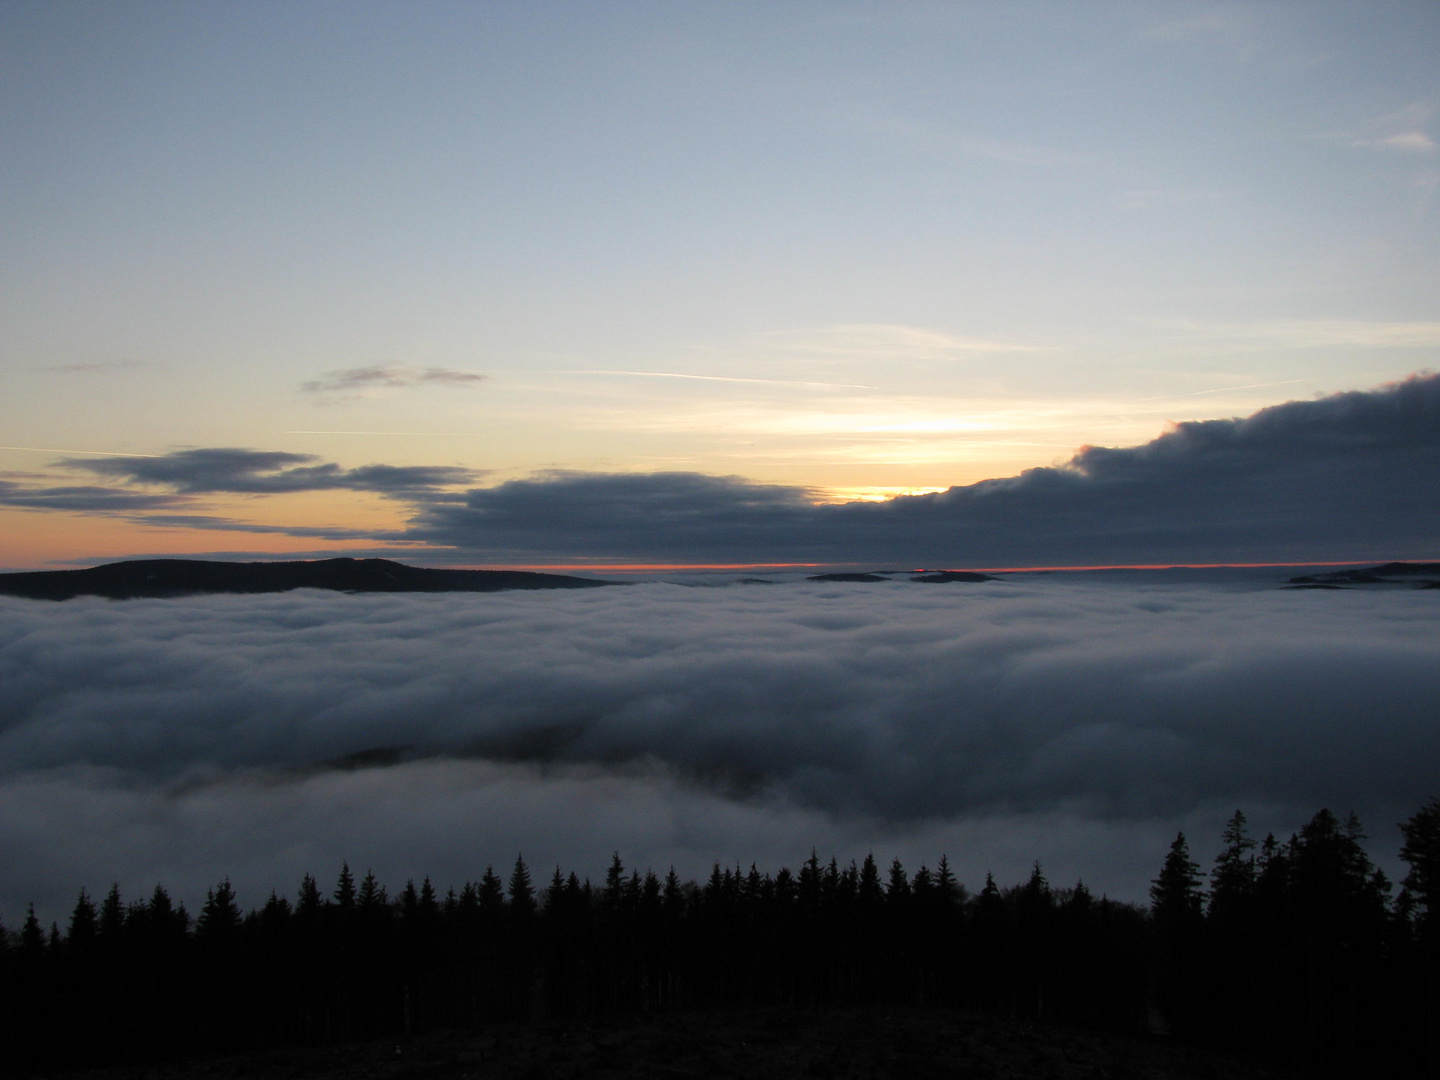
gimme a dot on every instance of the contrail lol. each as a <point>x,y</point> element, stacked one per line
<point>1222,389</point>
<point>375,433</point>
<point>87,453</point>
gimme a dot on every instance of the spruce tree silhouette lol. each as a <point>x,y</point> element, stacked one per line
<point>80,937</point>
<point>1232,881</point>
<point>1299,950</point>
<point>522,892</point>
<point>1235,976</point>
<point>344,894</point>
<point>1421,894</point>
<point>1177,911</point>
<point>1338,914</point>
<point>1421,851</point>
<point>219,921</point>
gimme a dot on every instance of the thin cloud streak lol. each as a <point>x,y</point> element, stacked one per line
<point>348,380</point>
<point>87,453</point>
<point>1223,389</point>
<point>723,378</point>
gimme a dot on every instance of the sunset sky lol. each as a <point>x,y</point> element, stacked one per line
<point>839,251</point>
<point>618,287</point>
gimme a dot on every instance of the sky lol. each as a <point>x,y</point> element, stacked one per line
<point>603,285</point>
<point>652,289</point>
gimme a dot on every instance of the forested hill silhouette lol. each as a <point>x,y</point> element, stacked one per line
<point>183,577</point>
<point>1417,574</point>
<point>1296,952</point>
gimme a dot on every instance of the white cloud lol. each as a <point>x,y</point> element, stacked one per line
<point>1407,140</point>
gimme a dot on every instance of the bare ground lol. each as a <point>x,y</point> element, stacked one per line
<point>860,1044</point>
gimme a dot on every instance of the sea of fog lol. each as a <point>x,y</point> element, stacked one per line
<point>1077,719</point>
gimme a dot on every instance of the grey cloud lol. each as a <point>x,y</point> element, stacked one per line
<point>1353,476</point>
<point>82,499</point>
<point>227,524</point>
<point>270,472</point>
<point>96,367</point>
<point>392,377</point>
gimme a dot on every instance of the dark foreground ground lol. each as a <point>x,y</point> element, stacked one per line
<point>923,1044</point>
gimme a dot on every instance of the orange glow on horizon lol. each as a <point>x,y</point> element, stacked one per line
<point>621,568</point>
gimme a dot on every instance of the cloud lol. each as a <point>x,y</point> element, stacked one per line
<point>162,738</point>
<point>1407,140</point>
<point>1316,334</point>
<point>192,474</point>
<point>82,499</point>
<point>350,380</point>
<point>1351,476</point>
<point>229,524</point>
<point>270,472</point>
<point>95,367</point>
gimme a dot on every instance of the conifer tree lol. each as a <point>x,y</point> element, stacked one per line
<point>1232,881</point>
<point>923,886</point>
<point>1175,896</point>
<point>1421,851</point>
<point>898,889</point>
<point>112,916</point>
<point>345,889</point>
<point>309,903</point>
<point>1176,908</point>
<point>614,890</point>
<point>870,892</point>
<point>220,918</point>
<point>429,907</point>
<point>32,937</point>
<point>810,881</point>
<point>492,892</point>
<point>81,934</point>
<point>674,897</point>
<point>947,889</point>
<point>371,896</point>
<point>522,893</point>
<point>555,894</point>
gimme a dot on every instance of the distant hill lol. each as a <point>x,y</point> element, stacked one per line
<point>187,577</point>
<point>1419,575</point>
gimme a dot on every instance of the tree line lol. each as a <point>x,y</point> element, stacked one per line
<point>1298,948</point>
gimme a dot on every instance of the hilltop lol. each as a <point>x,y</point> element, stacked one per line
<point>187,577</point>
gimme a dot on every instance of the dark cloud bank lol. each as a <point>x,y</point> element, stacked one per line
<point>189,475</point>
<point>1350,477</point>
<point>1077,722</point>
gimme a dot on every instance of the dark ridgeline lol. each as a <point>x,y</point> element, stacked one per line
<point>1297,951</point>
<point>186,577</point>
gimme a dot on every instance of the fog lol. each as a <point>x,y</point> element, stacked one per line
<point>1075,719</point>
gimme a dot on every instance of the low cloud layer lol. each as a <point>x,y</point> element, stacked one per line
<point>1349,477</point>
<point>682,724</point>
